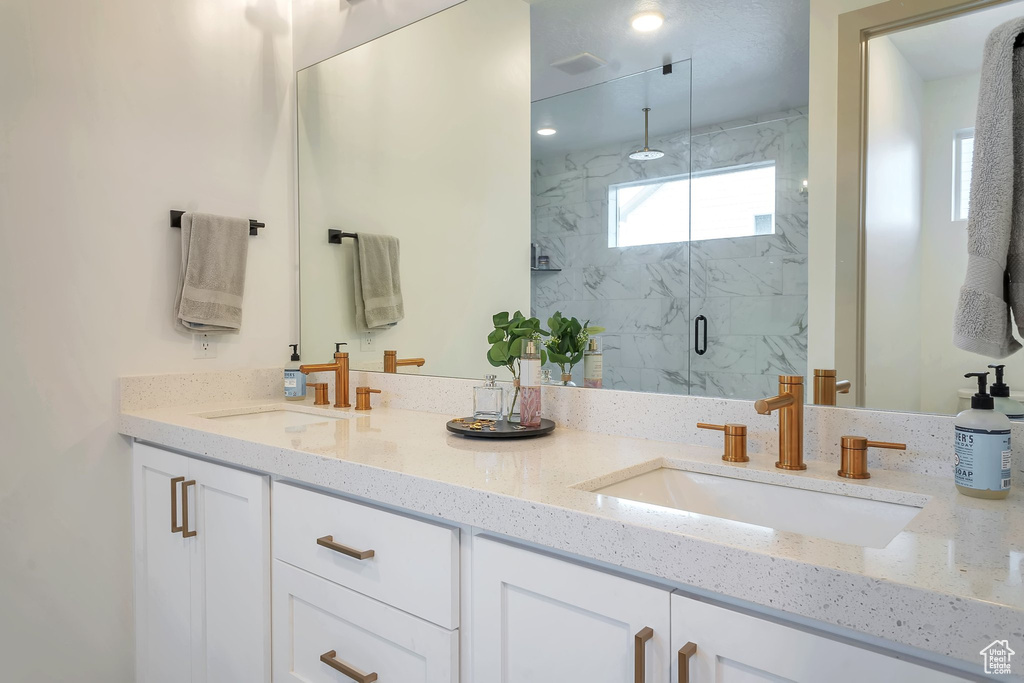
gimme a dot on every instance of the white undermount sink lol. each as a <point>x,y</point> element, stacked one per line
<point>836,517</point>
<point>279,418</point>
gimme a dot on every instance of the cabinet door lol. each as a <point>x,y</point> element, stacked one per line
<point>162,607</point>
<point>537,619</point>
<point>326,633</point>
<point>732,647</point>
<point>230,567</point>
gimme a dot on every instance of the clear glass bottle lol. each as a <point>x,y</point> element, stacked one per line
<point>488,400</point>
<point>593,365</point>
<point>529,385</point>
<point>545,376</point>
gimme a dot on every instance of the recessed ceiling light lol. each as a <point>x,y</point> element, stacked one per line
<point>648,21</point>
<point>546,131</point>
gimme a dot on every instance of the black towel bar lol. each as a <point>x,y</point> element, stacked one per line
<point>335,236</point>
<point>254,225</point>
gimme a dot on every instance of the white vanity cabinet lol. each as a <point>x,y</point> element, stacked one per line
<point>712,643</point>
<point>538,619</point>
<point>202,570</point>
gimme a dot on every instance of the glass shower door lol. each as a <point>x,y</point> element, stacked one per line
<point>748,255</point>
<point>611,204</point>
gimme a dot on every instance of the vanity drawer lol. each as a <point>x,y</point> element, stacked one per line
<point>314,618</point>
<point>414,564</point>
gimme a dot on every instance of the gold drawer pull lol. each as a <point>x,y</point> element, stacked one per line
<point>184,509</point>
<point>640,651</point>
<point>331,660</point>
<point>685,652</point>
<point>328,542</point>
<point>175,527</point>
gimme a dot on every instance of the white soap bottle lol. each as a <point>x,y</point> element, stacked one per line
<point>982,463</point>
<point>1001,394</point>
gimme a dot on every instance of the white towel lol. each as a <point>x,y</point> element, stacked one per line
<point>378,284</point>
<point>994,284</point>
<point>211,280</point>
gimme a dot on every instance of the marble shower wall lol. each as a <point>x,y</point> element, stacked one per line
<point>753,290</point>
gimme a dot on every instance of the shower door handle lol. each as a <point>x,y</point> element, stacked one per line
<point>700,335</point>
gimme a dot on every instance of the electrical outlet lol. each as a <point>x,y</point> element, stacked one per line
<point>203,346</point>
<point>366,342</point>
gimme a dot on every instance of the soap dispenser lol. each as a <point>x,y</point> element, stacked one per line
<point>294,381</point>
<point>982,449</point>
<point>1001,394</point>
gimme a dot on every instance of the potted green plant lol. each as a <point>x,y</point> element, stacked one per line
<point>567,343</point>
<point>507,340</point>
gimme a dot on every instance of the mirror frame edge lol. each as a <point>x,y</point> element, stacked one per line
<point>856,28</point>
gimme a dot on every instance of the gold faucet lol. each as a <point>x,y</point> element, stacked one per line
<point>826,387</point>
<point>790,404</point>
<point>392,362</point>
<point>340,369</point>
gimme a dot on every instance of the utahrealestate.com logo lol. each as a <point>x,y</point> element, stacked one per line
<point>997,657</point>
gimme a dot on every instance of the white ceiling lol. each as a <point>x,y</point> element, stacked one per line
<point>748,57</point>
<point>953,47</point>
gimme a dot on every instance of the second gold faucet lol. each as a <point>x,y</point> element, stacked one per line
<point>790,405</point>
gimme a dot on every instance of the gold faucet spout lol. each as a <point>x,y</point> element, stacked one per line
<point>790,405</point>
<point>766,406</point>
<point>318,367</point>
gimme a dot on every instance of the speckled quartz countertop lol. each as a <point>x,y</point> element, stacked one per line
<point>950,583</point>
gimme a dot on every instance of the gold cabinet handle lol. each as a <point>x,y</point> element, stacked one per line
<point>685,652</point>
<point>328,542</point>
<point>640,652</point>
<point>184,509</point>
<point>175,527</point>
<point>331,660</point>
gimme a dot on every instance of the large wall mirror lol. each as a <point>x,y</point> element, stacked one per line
<point>573,158</point>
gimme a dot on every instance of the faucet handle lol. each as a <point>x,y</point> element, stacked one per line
<point>854,456</point>
<point>363,397</point>
<point>735,440</point>
<point>321,393</point>
<point>338,345</point>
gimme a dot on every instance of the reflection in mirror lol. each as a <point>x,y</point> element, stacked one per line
<point>664,204</point>
<point>923,85</point>
<point>422,135</point>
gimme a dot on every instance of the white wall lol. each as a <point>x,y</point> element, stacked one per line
<point>950,106</point>
<point>323,28</point>
<point>114,112</point>
<point>423,134</point>
<point>892,222</point>
<point>821,198</point>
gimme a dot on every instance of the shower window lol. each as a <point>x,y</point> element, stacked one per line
<point>963,152</point>
<point>737,201</point>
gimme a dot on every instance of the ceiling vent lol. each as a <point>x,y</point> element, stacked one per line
<point>578,64</point>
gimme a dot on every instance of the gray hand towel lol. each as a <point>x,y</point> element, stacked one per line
<point>378,285</point>
<point>212,276</point>
<point>994,284</point>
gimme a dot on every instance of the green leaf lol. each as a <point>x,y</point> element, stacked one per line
<point>515,349</point>
<point>543,357</point>
<point>495,336</point>
<point>595,330</point>
<point>499,353</point>
<point>500,319</point>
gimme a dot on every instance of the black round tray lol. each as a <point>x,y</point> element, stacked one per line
<point>502,429</point>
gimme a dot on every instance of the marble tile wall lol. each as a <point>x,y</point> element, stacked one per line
<point>753,290</point>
